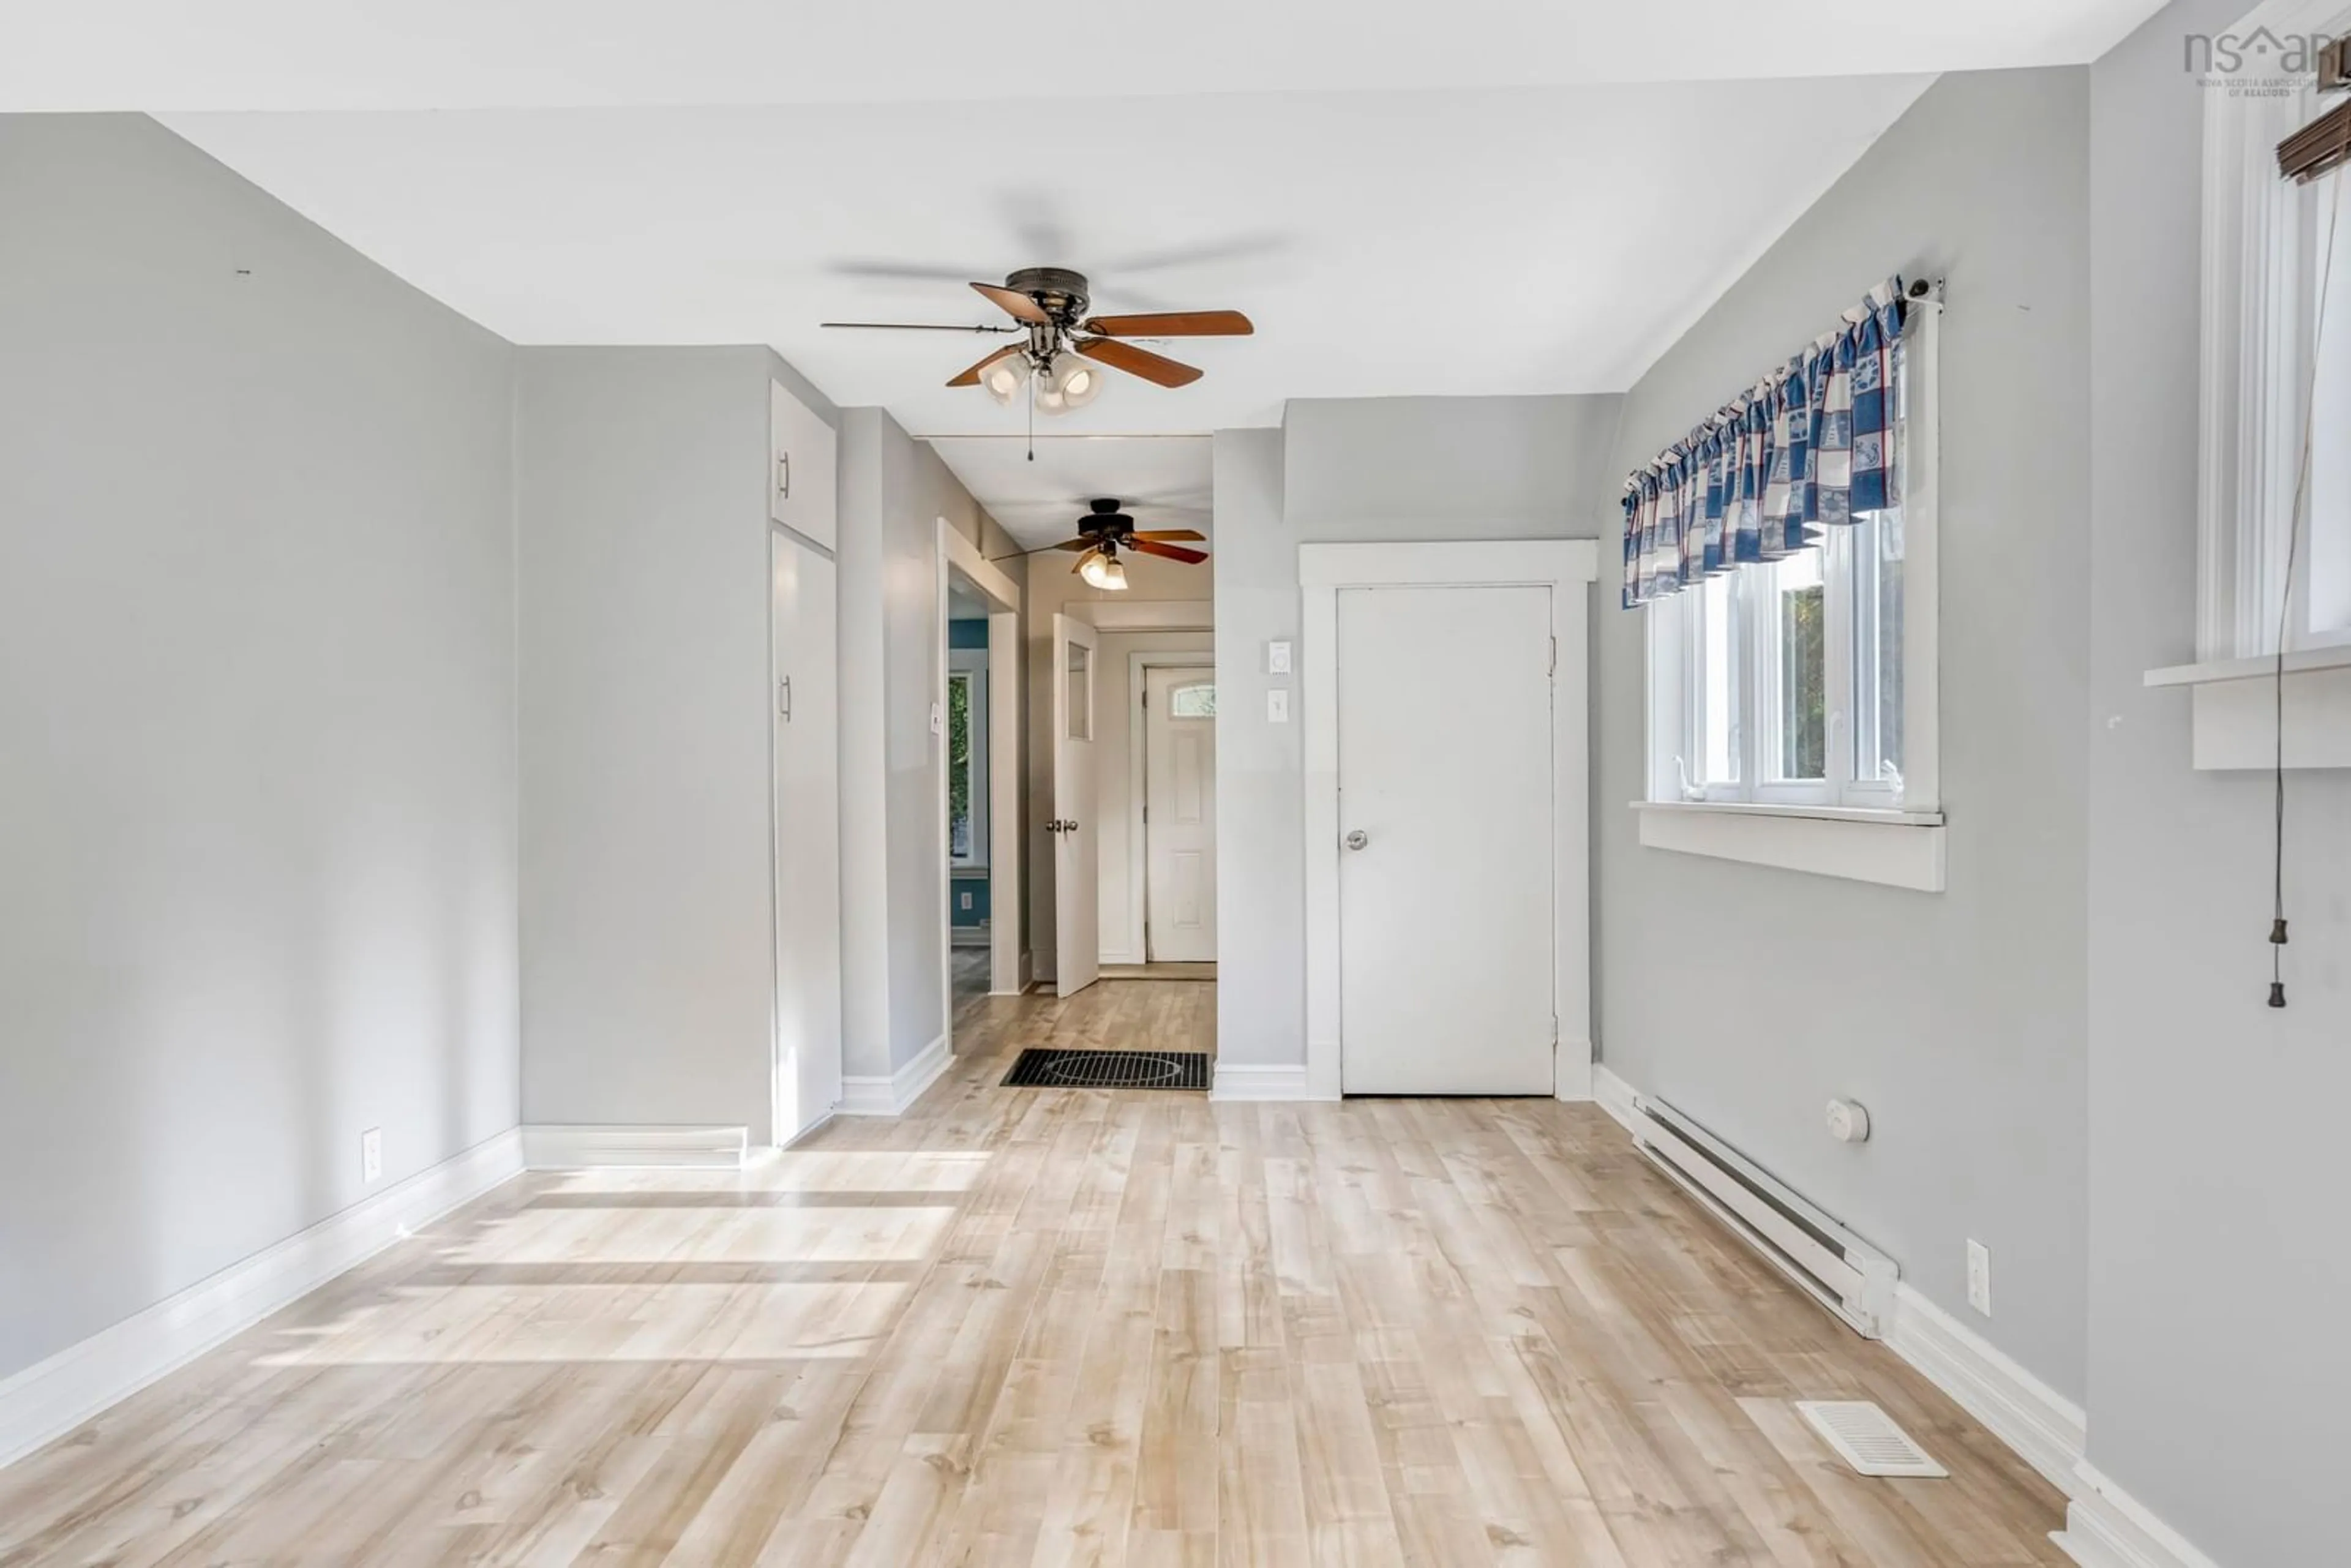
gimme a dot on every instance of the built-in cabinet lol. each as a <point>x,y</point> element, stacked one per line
<point>806,727</point>
<point>802,476</point>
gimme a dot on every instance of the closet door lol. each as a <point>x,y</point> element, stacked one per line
<point>807,837</point>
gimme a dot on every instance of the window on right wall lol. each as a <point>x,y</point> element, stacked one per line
<point>2276,258</point>
<point>1805,680</point>
<point>1782,683</point>
<point>1783,557</point>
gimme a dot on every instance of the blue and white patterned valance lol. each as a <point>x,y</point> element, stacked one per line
<point>1809,444</point>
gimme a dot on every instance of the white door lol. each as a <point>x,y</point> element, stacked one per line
<point>1179,815</point>
<point>1446,918</point>
<point>1077,892</point>
<point>807,838</point>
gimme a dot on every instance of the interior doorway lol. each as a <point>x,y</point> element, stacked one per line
<point>1447,796</point>
<point>975,718</point>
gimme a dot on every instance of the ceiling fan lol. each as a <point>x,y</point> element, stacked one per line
<point>1105,531</point>
<point>1049,305</point>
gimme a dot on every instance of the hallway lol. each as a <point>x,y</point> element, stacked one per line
<point>1049,1326</point>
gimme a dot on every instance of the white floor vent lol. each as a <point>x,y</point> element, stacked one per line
<point>1866,1437</point>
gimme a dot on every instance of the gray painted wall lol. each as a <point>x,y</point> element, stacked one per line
<point>257,690</point>
<point>2219,1384</point>
<point>894,491</point>
<point>1748,995</point>
<point>641,520</point>
<point>1345,469</point>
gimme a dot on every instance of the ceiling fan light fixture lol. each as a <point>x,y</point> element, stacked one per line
<point>1067,383</point>
<point>1103,571</point>
<point>1004,378</point>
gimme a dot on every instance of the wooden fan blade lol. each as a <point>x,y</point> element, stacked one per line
<point>913,326</point>
<point>1174,324</point>
<point>1077,544</point>
<point>1017,305</point>
<point>1083,558</point>
<point>1172,552</point>
<point>970,378</point>
<point>1165,536</point>
<point>1137,362</point>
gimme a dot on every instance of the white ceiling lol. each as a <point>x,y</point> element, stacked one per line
<point>1491,239</point>
<point>445,54</point>
<point>1526,240</point>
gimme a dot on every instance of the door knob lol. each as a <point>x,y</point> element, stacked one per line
<point>1357,839</point>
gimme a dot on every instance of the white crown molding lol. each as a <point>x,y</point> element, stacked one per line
<point>52,1397</point>
<point>564,1146</point>
<point>890,1096</point>
<point>2105,1527</point>
<point>1286,1080</point>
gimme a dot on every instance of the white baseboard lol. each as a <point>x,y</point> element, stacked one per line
<point>1249,1081</point>
<point>558,1146</point>
<point>1616,1097</point>
<point>50,1399</point>
<point>890,1096</point>
<point>2105,1527</point>
<point>1572,1070</point>
<point>2046,1429</point>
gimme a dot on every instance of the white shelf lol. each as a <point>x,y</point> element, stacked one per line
<point>2235,705</point>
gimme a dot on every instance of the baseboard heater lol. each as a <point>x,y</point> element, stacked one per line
<point>1828,1262</point>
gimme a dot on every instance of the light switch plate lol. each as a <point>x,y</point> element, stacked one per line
<point>938,720</point>
<point>1277,706</point>
<point>371,1154</point>
<point>1277,658</point>
<point>1980,1277</point>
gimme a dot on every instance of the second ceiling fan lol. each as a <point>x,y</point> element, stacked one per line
<point>1105,531</point>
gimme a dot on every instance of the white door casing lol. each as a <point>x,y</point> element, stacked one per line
<point>958,556</point>
<point>1077,888</point>
<point>805,836</point>
<point>1566,566</point>
<point>1445,812</point>
<point>1179,820</point>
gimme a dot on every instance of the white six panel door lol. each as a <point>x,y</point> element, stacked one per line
<point>1446,917</point>
<point>1077,882</point>
<point>1179,830</point>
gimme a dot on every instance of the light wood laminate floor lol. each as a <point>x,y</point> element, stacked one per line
<point>1061,1326</point>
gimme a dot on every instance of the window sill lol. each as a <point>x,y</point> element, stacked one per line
<point>1893,849</point>
<point>2234,710</point>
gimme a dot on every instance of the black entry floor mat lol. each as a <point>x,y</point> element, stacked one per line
<point>1041,1069</point>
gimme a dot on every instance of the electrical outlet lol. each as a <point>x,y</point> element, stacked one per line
<point>1980,1277</point>
<point>371,1154</point>
<point>965,903</point>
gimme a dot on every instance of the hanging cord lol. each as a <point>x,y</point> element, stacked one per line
<point>2286,608</point>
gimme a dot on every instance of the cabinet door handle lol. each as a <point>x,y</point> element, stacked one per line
<point>784,475</point>
<point>784,698</point>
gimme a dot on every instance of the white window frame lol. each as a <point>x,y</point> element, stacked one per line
<point>2261,237</point>
<point>1841,826</point>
